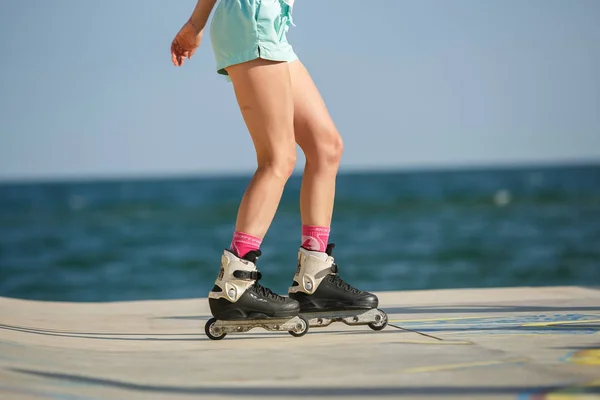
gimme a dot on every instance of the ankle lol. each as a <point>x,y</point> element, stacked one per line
<point>315,237</point>
<point>242,244</point>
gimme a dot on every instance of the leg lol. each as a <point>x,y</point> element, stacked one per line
<point>317,286</point>
<point>263,91</point>
<point>264,94</point>
<point>322,145</point>
<point>242,34</point>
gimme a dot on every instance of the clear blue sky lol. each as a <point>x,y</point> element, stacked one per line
<point>87,87</point>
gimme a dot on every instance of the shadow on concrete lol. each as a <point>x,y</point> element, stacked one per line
<point>591,328</point>
<point>188,337</point>
<point>472,309</point>
<point>465,325</point>
<point>300,391</point>
<point>578,348</point>
<point>450,309</point>
<point>188,317</point>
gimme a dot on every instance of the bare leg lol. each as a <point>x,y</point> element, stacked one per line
<point>322,145</point>
<point>315,286</point>
<point>264,94</point>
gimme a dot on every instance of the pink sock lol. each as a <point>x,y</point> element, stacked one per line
<point>315,237</point>
<point>242,244</point>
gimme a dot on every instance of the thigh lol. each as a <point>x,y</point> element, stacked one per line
<point>313,124</point>
<point>264,94</point>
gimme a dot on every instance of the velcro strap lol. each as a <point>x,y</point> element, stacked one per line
<point>247,275</point>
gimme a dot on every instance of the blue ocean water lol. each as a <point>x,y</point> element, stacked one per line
<point>162,238</point>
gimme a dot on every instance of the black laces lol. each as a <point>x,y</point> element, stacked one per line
<point>265,292</point>
<point>257,287</point>
<point>339,282</point>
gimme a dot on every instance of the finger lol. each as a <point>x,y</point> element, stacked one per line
<point>173,54</point>
<point>192,52</point>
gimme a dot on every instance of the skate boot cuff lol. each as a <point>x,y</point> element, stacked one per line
<point>313,267</point>
<point>235,277</point>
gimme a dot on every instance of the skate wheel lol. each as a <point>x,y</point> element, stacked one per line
<point>382,323</point>
<point>209,330</point>
<point>302,329</point>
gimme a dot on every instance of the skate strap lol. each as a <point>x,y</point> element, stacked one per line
<point>247,275</point>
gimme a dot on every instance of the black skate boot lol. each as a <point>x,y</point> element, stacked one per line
<point>239,303</point>
<point>324,297</point>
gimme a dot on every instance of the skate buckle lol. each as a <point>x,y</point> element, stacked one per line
<point>247,275</point>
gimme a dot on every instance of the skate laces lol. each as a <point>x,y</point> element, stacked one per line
<point>265,292</point>
<point>334,277</point>
<point>257,287</point>
<point>252,256</point>
<point>339,282</point>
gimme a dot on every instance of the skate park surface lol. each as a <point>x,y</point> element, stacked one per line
<point>501,343</point>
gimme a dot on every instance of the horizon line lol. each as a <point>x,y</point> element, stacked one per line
<point>344,170</point>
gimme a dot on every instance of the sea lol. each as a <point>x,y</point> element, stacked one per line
<point>138,239</point>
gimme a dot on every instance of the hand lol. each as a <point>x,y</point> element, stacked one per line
<point>185,43</point>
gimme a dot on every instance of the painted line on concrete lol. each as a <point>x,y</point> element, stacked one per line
<point>583,391</point>
<point>583,321</point>
<point>558,324</point>
<point>444,319</point>
<point>585,357</point>
<point>451,367</point>
<point>435,342</point>
<point>519,319</point>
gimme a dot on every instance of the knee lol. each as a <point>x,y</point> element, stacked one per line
<point>337,148</point>
<point>327,150</point>
<point>280,165</point>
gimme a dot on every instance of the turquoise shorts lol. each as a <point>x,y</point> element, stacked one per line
<point>243,30</point>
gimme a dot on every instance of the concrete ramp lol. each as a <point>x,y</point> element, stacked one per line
<point>508,343</point>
